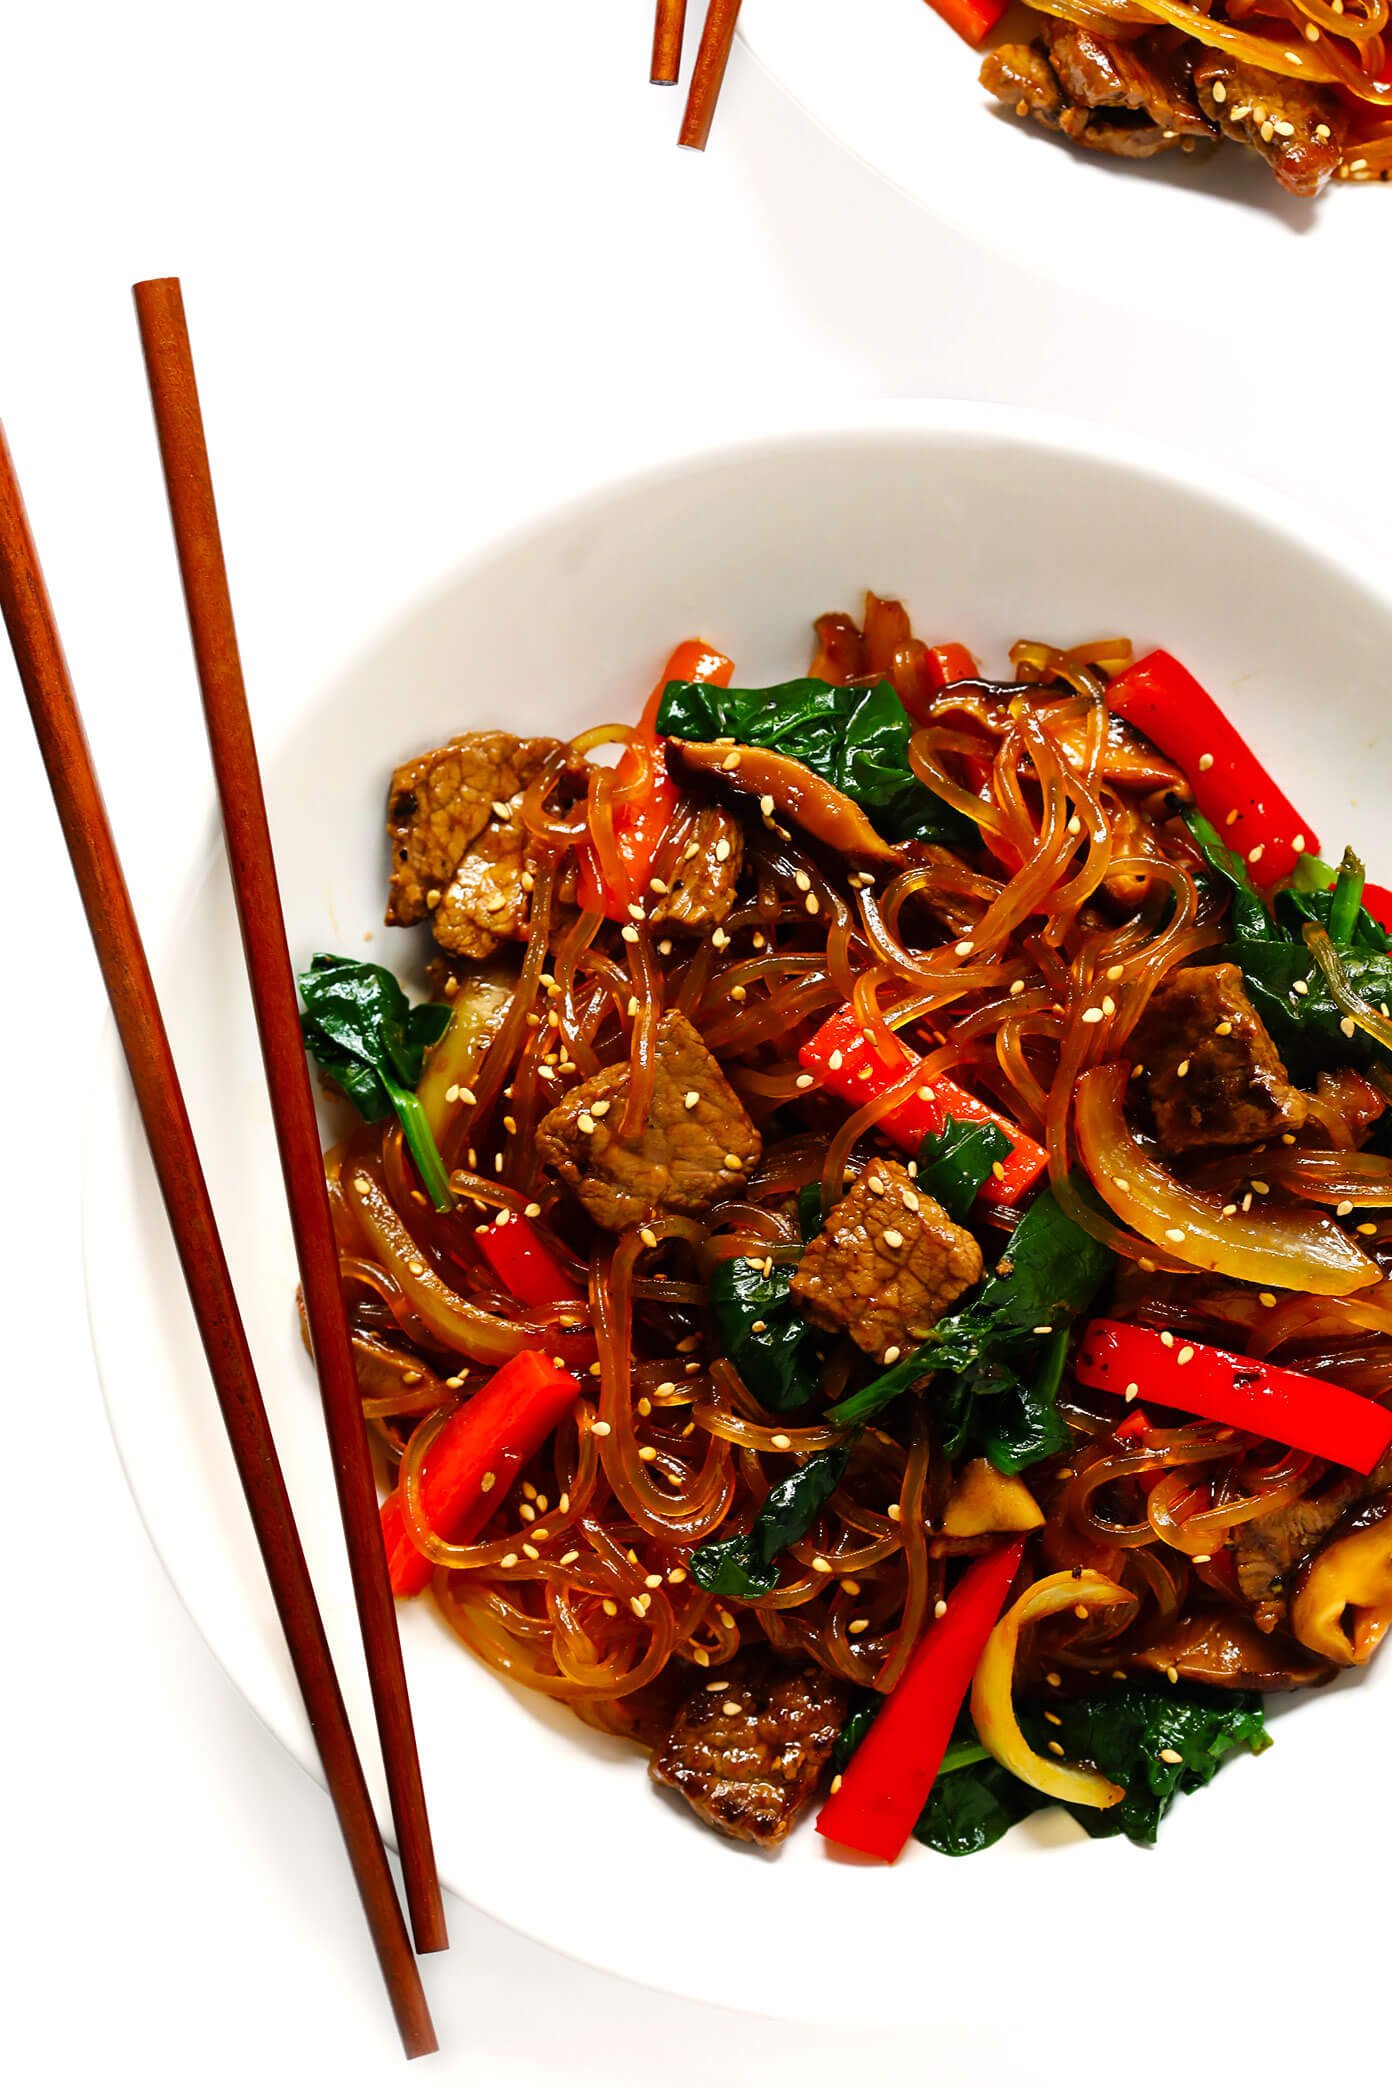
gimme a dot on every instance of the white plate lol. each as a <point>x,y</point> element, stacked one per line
<point>1213,236</point>
<point>990,524</point>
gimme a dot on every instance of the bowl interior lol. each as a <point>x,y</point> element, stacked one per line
<point>989,529</point>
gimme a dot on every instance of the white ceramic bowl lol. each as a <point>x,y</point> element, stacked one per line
<point>1202,234</point>
<point>990,525</point>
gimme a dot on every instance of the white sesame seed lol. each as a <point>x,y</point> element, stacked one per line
<point>1108,1004</point>
<point>998,1170</point>
<point>858,1624</point>
<point>733,1160</point>
<point>802,881</point>
<point>1115,972</point>
<point>804,1080</point>
<point>1171,1754</point>
<point>600,1428</point>
<point>1181,1069</point>
<point>731,761</point>
<point>1041,1330</point>
<point>894,1512</point>
<point>836,1061</point>
<point>1092,1015</point>
<point>722,850</point>
<point>893,1238</point>
<point>1186,1355</point>
<point>416,1268</point>
<point>488,1482</point>
<point>821,1565</point>
<point>1348,1025</point>
<point>1342,1210</point>
<point>892,1353</point>
<point>1017,986</point>
<point>1301,986</point>
<point>508,1559</point>
<point>964,948</point>
<point>940,1607</point>
<point>1175,1233</point>
<point>1131,1393</point>
<point>1075,825</point>
<point>586,1122</point>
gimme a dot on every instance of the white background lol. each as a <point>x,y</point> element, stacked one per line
<point>443,263</point>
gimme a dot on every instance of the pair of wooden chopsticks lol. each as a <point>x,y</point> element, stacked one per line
<point>43,671</point>
<point>712,57</point>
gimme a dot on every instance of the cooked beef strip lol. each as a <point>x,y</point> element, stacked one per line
<point>697,1142</point>
<point>887,1263</point>
<point>702,884</point>
<point>458,848</point>
<point>1130,100</point>
<point>1213,1074</point>
<point>748,1746</point>
<point>1297,127</point>
<point>1267,1550</point>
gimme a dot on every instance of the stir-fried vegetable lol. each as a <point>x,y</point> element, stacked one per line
<point>992,1698</point>
<point>763,1334</point>
<point>956,1163</point>
<point>640,825</point>
<point>883,1789</point>
<point>857,1069</point>
<point>1277,1248</point>
<point>1230,785</point>
<point>1281,1406</point>
<point>856,739</point>
<point>364,1033</point>
<point>1002,1353</point>
<point>747,1566</point>
<point>474,1459</point>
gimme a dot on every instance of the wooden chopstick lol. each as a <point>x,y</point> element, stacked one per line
<point>712,57</point>
<point>77,794</point>
<point>669,27</point>
<point>188,481</point>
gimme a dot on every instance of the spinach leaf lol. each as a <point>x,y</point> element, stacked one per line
<point>1127,1730</point>
<point>363,1032</point>
<point>954,1162</point>
<point>764,1335</point>
<point>1269,947</point>
<point>1000,1396</point>
<point>746,1566</point>
<point>856,739</point>
<point>809,1210</point>
<point>970,1809</point>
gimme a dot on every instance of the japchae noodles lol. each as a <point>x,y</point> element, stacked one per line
<point>869,1272</point>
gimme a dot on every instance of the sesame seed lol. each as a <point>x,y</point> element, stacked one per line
<point>836,1061</point>
<point>894,1512</point>
<point>647,1453</point>
<point>1342,1210</point>
<point>1220,94</point>
<point>1171,1754</point>
<point>1348,1025</point>
<point>586,1122</point>
<point>940,1607</point>
<point>766,805</point>
<point>1203,1558</point>
<point>527,1512</point>
<point>1231,817</point>
<point>821,1565</point>
<point>737,993</point>
<point>1122,1183</point>
<point>850,1587</point>
<point>720,939</point>
<point>1230,1210</point>
<point>1175,1233</point>
<point>858,1624</point>
<point>802,881</point>
<point>1285,128</point>
<point>629,933</point>
<point>722,850</point>
<point>781,1442</point>
<point>1055,1747</point>
<point>488,1482</point>
<point>1239,114</point>
<point>1172,1674</point>
<point>416,1268</point>
<point>1075,825</point>
<point>812,903</point>
<point>1181,1069</point>
<point>1323,133</point>
<point>1080,1611</point>
<point>1300,986</point>
<point>734,1161</point>
<point>893,1238</point>
<point>1016,986</point>
<point>1367,1230</point>
<point>529,1551</point>
<point>1115,972</point>
<point>1108,1004</point>
<point>1053,1718</point>
<point>600,1428</point>
<point>1186,1355</point>
<point>1247,1201</point>
<point>701,1657</point>
<point>908,1199</point>
<point>731,761</point>
<point>508,1559</point>
<point>647,1236</point>
<point>964,948</point>
<point>1092,1015</point>
<point>1166,1339</point>
<point>998,1170</point>
<point>1268,132</point>
<point>677,1575</point>
<point>1254,855</point>
<point>1131,1392</point>
<point>805,1080</point>
<point>1054,1680</point>
<point>892,1353</point>
<point>1041,1330</point>
<point>635,911</point>
<point>835,1784</point>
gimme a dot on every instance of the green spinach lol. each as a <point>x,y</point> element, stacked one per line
<point>1002,1372</point>
<point>955,1162</point>
<point>763,1334</point>
<point>856,739</point>
<point>1283,982</point>
<point>747,1566</point>
<point>363,1032</point>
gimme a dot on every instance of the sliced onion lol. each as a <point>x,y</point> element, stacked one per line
<point>458,1324</point>
<point>992,1698</point>
<point>1277,1249</point>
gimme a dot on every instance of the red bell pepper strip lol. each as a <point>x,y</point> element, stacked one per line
<point>1282,1406</point>
<point>952,663</point>
<point>639,827</point>
<point>528,1271</point>
<point>853,1067</point>
<point>885,1785</point>
<point>495,1432</point>
<point>972,19</point>
<point>1378,901</point>
<point>1231,788</point>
